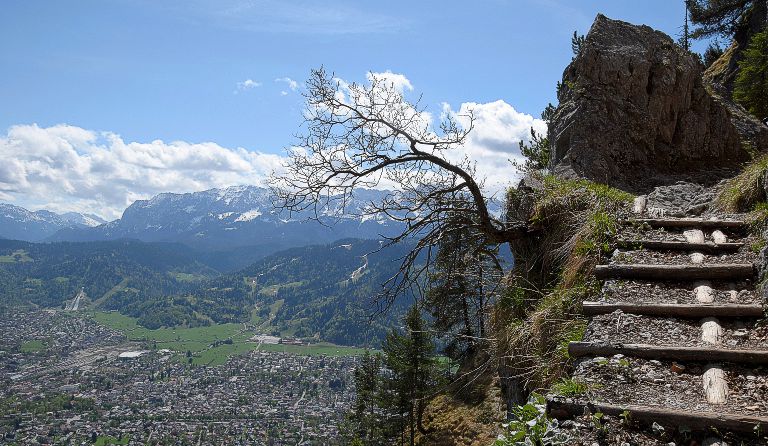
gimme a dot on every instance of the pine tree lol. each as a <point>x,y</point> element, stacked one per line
<point>722,17</point>
<point>366,415</point>
<point>751,87</point>
<point>458,292</point>
<point>411,374</point>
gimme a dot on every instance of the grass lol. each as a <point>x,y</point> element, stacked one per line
<point>198,340</point>
<point>745,190</point>
<point>570,387</point>
<point>33,346</point>
<point>17,256</point>
<point>186,277</point>
<point>105,440</point>
<point>541,309</point>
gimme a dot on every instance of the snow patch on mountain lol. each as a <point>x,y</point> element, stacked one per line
<point>248,215</point>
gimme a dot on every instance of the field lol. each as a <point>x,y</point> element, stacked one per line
<point>33,346</point>
<point>199,341</point>
<point>17,256</point>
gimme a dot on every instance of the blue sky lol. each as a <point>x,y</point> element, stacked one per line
<point>208,70</point>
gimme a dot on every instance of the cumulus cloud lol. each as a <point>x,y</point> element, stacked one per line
<point>397,80</point>
<point>292,84</point>
<point>494,141</point>
<point>247,84</point>
<point>68,168</point>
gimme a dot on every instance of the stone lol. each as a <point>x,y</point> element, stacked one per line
<point>694,236</point>
<point>719,237</point>
<point>697,257</point>
<point>680,199</point>
<point>639,203</point>
<point>634,113</point>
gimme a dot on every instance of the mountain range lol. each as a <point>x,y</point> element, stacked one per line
<point>234,217</point>
<point>21,224</point>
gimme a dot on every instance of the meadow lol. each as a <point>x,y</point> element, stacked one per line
<point>201,343</point>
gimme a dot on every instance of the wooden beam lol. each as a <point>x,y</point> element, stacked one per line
<point>646,351</point>
<point>731,271</point>
<point>675,310</point>
<point>663,245</point>
<point>689,223</point>
<point>564,408</point>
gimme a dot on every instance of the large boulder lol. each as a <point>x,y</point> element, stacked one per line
<point>635,114</point>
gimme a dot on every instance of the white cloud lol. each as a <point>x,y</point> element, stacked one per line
<point>494,140</point>
<point>68,168</point>
<point>247,84</point>
<point>292,84</point>
<point>398,81</point>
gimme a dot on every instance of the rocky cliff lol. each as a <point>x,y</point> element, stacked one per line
<point>634,113</point>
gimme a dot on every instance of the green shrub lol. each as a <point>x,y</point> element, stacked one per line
<point>530,426</point>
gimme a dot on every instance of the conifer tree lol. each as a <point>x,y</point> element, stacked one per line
<point>459,291</point>
<point>751,87</point>
<point>411,374</point>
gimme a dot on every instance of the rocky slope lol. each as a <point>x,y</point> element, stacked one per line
<point>634,113</point>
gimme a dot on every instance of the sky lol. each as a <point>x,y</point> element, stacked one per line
<point>103,102</point>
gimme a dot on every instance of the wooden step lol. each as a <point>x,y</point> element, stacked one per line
<point>675,310</point>
<point>565,408</point>
<point>689,223</point>
<point>645,351</point>
<point>663,245</point>
<point>726,271</point>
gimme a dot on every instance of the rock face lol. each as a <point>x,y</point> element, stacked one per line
<point>635,114</point>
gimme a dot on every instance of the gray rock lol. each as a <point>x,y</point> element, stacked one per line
<point>635,114</point>
<point>680,199</point>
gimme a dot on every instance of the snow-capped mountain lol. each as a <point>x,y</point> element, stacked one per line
<point>237,216</point>
<point>22,224</point>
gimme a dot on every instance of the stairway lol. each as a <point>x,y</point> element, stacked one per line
<point>676,336</point>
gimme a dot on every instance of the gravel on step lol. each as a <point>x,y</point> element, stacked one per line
<point>674,234</point>
<point>679,258</point>
<point>633,291</point>
<point>623,380</point>
<point>619,327</point>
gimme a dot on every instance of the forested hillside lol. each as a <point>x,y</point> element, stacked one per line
<point>326,292</point>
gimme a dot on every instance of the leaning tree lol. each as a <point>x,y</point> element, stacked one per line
<point>370,136</point>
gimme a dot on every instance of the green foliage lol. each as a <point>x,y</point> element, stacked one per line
<point>530,426</point>
<point>718,17</point>
<point>410,358</point>
<point>464,274</point>
<point>577,43</point>
<point>745,190</point>
<point>712,53</point>
<point>537,153</point>
<point>569,387</point>
<point>751,85</point>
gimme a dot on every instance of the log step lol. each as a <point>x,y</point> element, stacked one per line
<point>662,245</point>
<point>689,223</point>
<point>564,408</point>
<point>727,271</point>
<point>645,351</point>
<point>675,310</point>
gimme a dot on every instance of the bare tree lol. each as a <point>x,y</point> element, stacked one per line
<point>365,136</point>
